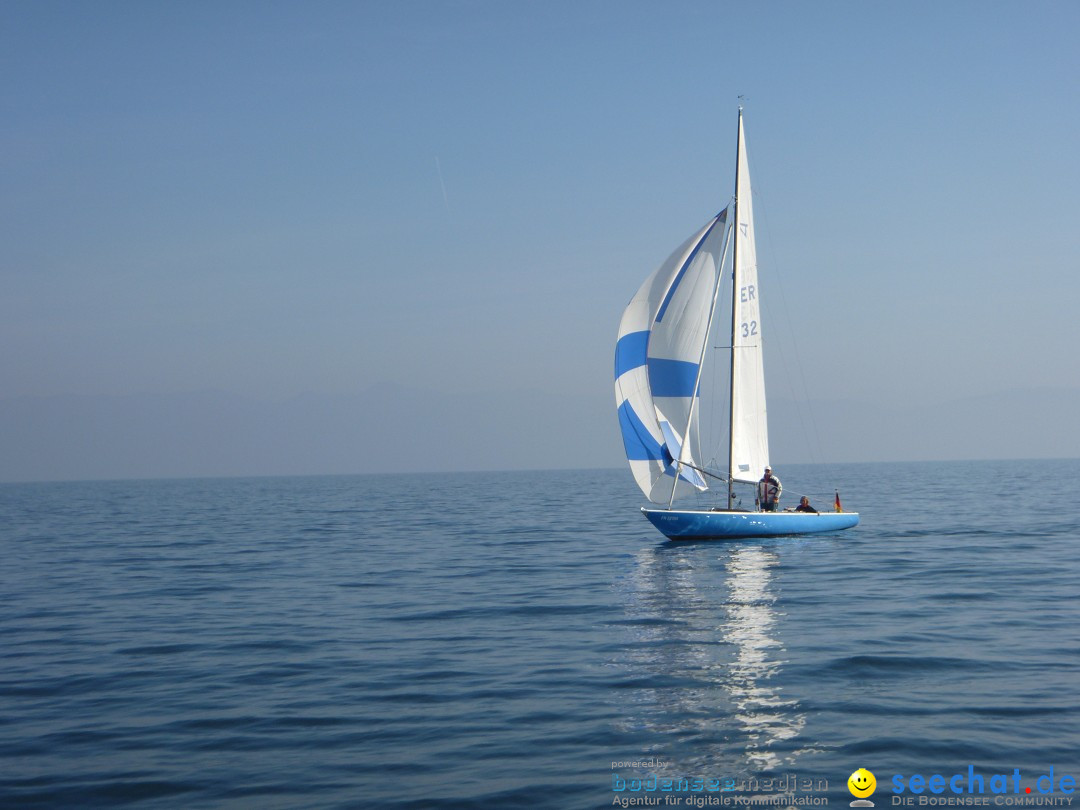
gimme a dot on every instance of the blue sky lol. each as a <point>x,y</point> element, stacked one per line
<point>458,198</point>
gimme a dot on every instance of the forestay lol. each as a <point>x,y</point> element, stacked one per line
<point>657,358</point>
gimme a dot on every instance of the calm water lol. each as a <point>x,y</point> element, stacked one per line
<point>500,640</point>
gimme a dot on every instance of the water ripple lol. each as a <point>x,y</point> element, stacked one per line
<point>395,642</point>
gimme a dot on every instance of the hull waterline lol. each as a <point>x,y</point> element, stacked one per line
<point>679,524</point>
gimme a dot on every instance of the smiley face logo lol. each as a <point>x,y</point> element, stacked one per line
<point>861,783</point>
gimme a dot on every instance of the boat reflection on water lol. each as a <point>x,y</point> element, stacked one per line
<point>704,659</point>
<point>767,719</point>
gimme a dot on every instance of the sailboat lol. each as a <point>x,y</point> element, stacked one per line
<point>659,358</point>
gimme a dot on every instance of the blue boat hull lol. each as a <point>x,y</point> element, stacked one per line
<point>699,525</point>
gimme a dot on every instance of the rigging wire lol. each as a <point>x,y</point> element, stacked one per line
<point>798,399</point>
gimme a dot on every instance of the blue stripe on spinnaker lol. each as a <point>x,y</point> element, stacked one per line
<point>672,378</point>
<point>688,474</point>
<point>630,352</point>
<point>721,217</point>
<point>637,441</point>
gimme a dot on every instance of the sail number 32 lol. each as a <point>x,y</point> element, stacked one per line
<point>746,295</point>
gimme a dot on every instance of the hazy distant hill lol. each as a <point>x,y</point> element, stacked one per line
<point>1033,423</point>
<point>394,429</point>
<point>389,429</point>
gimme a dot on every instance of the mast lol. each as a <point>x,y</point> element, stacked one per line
<point>734,289</point>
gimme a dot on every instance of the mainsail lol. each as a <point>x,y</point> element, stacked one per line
<point>657,361</point>
<point>749,426</point>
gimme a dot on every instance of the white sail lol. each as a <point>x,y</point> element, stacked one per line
<point>657,358</point>
<point>749,426</point>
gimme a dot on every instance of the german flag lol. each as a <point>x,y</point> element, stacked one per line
<point>839,508</point>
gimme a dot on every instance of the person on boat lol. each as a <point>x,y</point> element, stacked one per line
<point>804,506</point>
<point>769,489</point>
